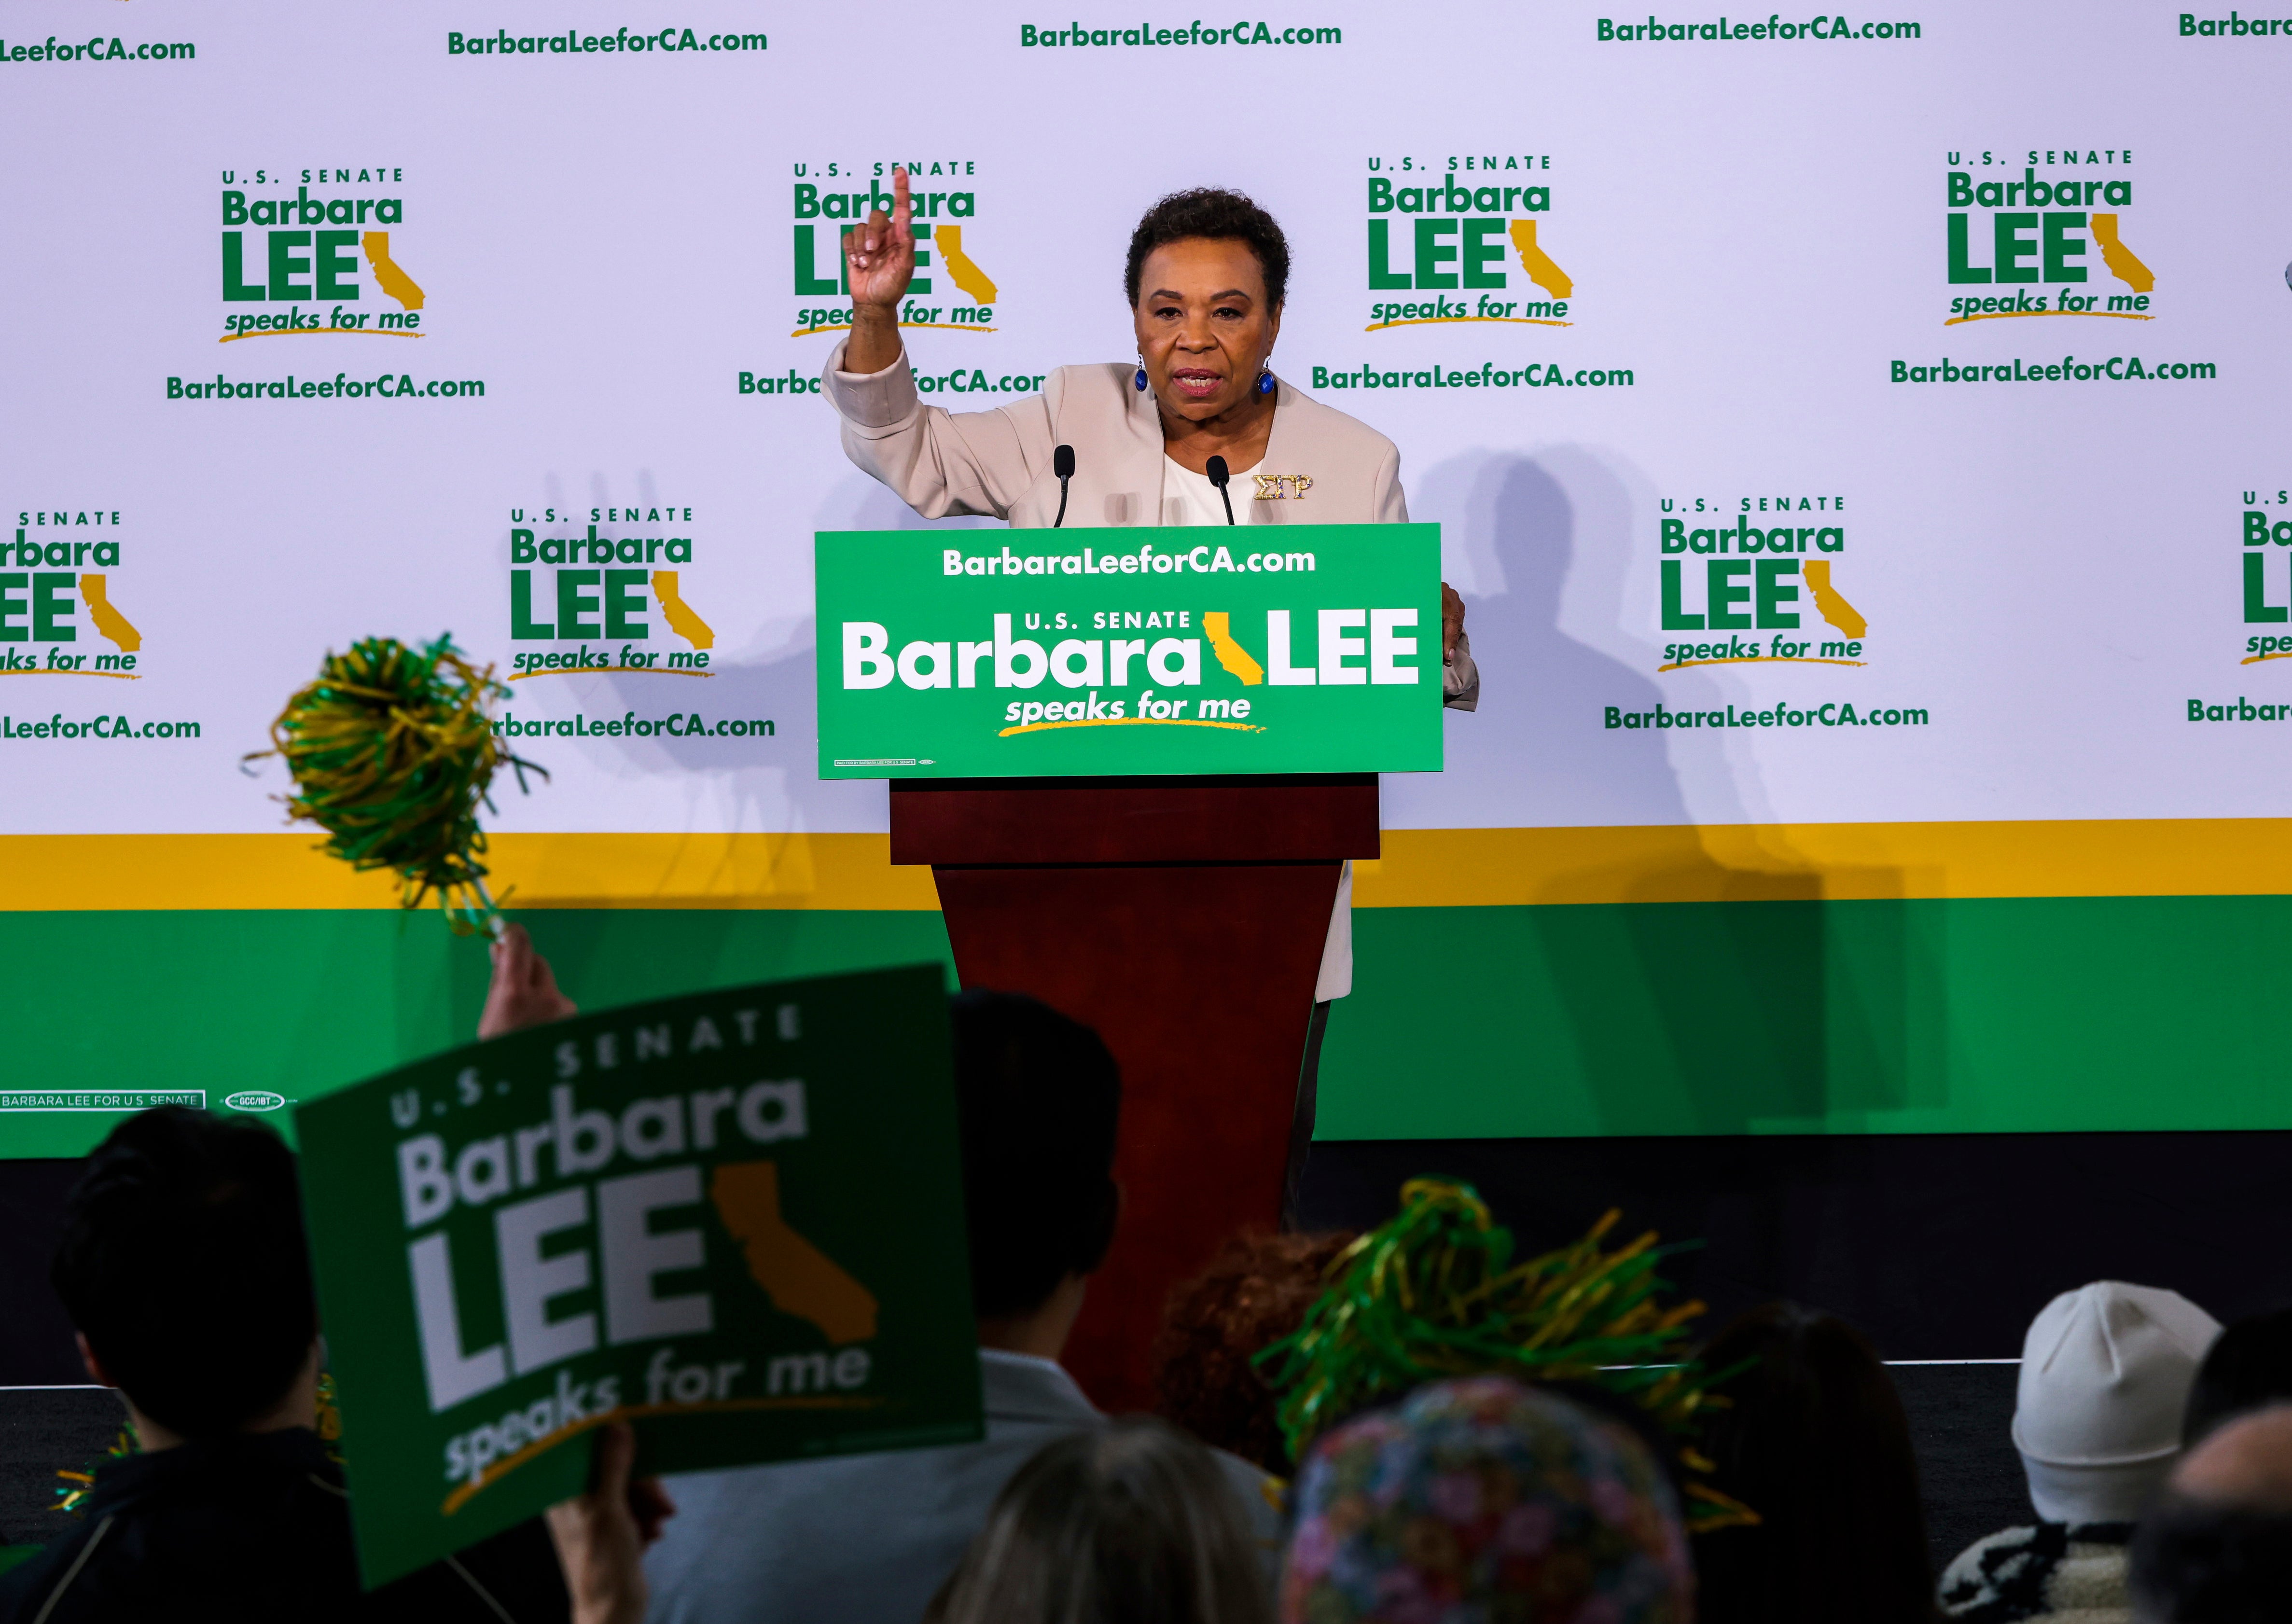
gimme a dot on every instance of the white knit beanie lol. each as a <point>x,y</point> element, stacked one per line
<point>2105,1377</point>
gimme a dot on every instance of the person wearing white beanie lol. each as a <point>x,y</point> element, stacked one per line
<point>2106,1371</point>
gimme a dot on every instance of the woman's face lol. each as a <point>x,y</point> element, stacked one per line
<point>1204,327</point>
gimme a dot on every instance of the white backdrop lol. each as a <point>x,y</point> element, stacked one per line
<point>1755,230</point>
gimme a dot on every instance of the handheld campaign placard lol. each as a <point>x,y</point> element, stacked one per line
<point>1023,653</point>
<point>735,1219</point>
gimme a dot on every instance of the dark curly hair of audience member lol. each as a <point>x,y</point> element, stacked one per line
<point>1255,1292</point>
<point>1221,216</point>
<point>1811,1437</point>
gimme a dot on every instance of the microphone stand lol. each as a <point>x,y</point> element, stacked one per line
<point>1062,463</point>
<point>1216,470</point>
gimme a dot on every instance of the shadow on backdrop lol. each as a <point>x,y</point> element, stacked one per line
<point>1693,995</point>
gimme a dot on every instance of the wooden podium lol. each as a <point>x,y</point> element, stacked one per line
<point>1183,918</point>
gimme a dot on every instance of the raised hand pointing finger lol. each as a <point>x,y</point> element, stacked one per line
<point>880,254</point>
<point>879,262</point>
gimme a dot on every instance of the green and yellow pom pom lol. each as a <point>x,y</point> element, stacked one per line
<point>1436,1293</point>
<point>392,752</point>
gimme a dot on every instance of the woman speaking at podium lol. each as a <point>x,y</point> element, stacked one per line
<point>1151,444</point>
<point>1206,278</point>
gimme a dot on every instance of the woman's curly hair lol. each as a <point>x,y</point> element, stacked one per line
<point>1223,216</point>
<point>1253,1293</point>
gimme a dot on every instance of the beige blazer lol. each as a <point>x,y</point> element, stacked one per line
<point>997,462</point>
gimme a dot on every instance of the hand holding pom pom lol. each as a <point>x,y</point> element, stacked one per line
<point>524,990</point>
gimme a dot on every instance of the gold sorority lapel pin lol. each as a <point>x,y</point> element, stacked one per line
<point>1282,486</point>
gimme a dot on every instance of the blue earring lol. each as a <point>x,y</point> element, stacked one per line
<point>1141,380</point>
<point>1265,382</point>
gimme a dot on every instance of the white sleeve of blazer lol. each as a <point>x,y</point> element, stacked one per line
<point>938,462</point>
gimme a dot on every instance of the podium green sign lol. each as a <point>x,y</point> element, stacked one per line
<point>734,1219</point>
<point>1024,654</point>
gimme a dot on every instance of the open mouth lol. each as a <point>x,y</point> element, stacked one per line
<point>1195,384</point>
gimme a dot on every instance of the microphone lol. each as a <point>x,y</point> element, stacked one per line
<point>1216,468</point>
<point>1063,465</point>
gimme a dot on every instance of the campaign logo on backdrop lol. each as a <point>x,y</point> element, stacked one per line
<point>954,290</point>
<point>1463,239</point>
<point>951,289</point>
<point>2265,540</point>
<point>2046,231</point>
<point>609,588</point>
<point>318,251</point>
<point>1758,579</point>
<point>1761,580</point>
<point>64,601</point>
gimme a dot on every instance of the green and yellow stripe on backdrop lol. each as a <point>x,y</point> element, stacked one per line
<point>1831,978</point>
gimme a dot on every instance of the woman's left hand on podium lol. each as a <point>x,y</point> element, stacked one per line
<point>1452,623</point>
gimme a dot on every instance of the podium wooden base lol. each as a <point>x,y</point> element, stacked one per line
<point>1183,918</point>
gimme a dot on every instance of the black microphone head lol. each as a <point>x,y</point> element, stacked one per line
<point>1216,470</point>
<point>1062,461</point>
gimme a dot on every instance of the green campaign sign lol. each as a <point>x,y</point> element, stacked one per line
<point>1017,653</point>
<point>734,1219</point>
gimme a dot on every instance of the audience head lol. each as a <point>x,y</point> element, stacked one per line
<point>2249,1365</point>
<point>183,1265</point>
<point>1253,1293</point>
<point>2105,1378</point>
<point>1483,1499</point>
<point>1811,1437</point>
<point>1038,1098</point>
<point>1128,1523</point>
<point>2216,1548</point>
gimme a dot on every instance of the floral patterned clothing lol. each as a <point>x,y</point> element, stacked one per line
<point>1481,1501</point>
